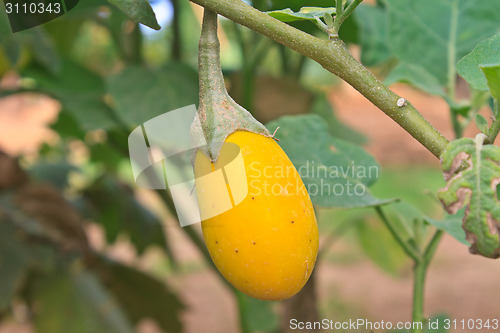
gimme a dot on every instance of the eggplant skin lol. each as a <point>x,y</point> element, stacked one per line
<point>265,245</point>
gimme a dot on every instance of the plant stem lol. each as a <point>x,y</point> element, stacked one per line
<point>334,57</point>
<point>421,264</point>
<point>176,31</point>
<point>457,126</point>
<point>242,311</point>
<point>432,246</point>
<point>339,7</point>
<point>399,238</point>
<point>419,275</point>
<point>343,14</point>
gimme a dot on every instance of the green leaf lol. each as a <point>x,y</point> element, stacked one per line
<point>328,18</point>
<point>295,5</point>
<point>349,30</point>
<point>452,225</point>
<point>12,48</point>
<point>116,209</point>
<point>56,173</point>
<point>481,123</point>
<point>67,126</point>
<point>492,73</point>
<point>372,21</point>
<point>139,11</point>
<point>82,97</point>
<point>430,33</point>
<point>142,296</point>
<point>461,108</point>
<point>76,302</point>
<point>381,247</point>
<point>305,14</point>
<point>19,255</point>
<point>65,31</point>
<point>474,187</point>
<point>14,261</point>
<point>141,94</point>
<point>487,52</point>
<point>106,154</point>
<point>416,76</point>
<point>336,173</point>
<point>260,315</point>
<point>43,48</point>
<point>323,108</point>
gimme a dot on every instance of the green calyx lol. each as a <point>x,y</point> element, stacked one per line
<point>219,115</point>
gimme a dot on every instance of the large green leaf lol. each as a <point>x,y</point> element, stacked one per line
<point>76,301</point>
<point>142,296</point>
<point>139,11</point>
<point>141,94</point>
<point>115,208</point>
<point>486,52</point>
<point>80,91</point>
<point>43,48</point>
<point>474,187</point>
<point>336,173</point>
<point>431,33</point>
<point>67,126</point>
<point>323,108</point>
<point>416,76</point>
<point>372,21</point>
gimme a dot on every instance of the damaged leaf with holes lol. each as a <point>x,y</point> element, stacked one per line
<point>472,172</point>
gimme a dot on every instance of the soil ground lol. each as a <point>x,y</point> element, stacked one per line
<point>459,284</point>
